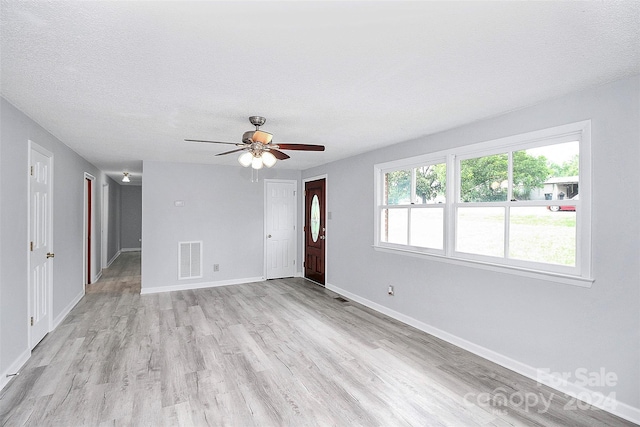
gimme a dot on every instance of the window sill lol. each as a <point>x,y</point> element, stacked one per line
<point>518,271</point>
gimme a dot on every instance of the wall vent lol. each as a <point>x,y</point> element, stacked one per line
<point>189,260</point>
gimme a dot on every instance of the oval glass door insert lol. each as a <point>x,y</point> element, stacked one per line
<point>315,218</point>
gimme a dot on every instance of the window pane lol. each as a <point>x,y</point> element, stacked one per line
<point>431,184</point>
<point>540,235</point>
<point>397,188</point>
<point>484,179</point>
<point>550,172</point>
<point>427,228</point>
<point>481,231</point>
<point>394,223</point>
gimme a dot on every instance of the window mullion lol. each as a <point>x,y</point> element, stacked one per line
<point>510,198</point>
<point>413,200</point>
<point>507,215</point>
<point>413,186</point>
<point>409,225</point>
<point>510,175</point>
<point>453,184</point>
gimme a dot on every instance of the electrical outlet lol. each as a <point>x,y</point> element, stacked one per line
<point>390,291</point>
<point>216,267</point>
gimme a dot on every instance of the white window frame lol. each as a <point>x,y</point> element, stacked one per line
<point>417,162</point>
<point>579,275</point>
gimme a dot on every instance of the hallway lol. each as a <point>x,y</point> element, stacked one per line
<point>123,275</point>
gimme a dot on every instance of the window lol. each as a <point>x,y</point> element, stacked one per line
<point>412,212</point>
<point>520,203</point>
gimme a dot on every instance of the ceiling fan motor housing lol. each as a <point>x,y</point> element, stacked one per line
<point>247,137</point>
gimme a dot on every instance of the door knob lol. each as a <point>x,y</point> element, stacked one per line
<point>50,255</point>
<point>269,236</point>
<point>322,237</point>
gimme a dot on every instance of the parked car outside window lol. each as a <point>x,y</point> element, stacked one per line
<point>564,208</point>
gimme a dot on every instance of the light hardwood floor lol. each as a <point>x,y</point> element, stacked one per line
<point>274,353</point>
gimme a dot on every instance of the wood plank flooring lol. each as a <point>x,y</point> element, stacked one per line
<point>274,353</point>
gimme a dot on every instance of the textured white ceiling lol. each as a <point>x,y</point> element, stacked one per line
<point>122,82</point>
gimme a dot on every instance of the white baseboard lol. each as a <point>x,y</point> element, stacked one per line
<point>199,285</point>
<point>596,399</point>
<point>15,367</point>
<point>60,317</point>
<point>121,251</point>
<point>113,259</point>
<point>22,359</point>
<point>97,277</point>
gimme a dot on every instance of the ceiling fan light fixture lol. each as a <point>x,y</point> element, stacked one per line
<point>125,178</point>
<point>268,159</point>
<point>245,159</point>
<point>256,162</point>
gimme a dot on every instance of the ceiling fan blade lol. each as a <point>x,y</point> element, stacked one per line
<point>262,137</point>
<point>213,142</point>
<point>303,147</point>
<point>278,154</point>
<point>232,151</point>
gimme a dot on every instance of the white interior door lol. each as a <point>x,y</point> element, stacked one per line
<point>40,255</point>
<point>280,220</point>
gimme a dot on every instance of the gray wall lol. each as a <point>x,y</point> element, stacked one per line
<point>1,249</point>
<point>223,208</point>
<point>14,133</point>
<point>68,203</point>
<point>130,216</point>
<point>113,239</point>
<point>536,322</point>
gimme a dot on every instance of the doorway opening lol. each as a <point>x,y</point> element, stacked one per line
<point>89,230</point>
<point>104,227</point>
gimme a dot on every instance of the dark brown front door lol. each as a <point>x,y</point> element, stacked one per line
<point>314,230</point>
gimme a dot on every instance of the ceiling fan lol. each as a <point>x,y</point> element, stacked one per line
<point>258,148</point>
